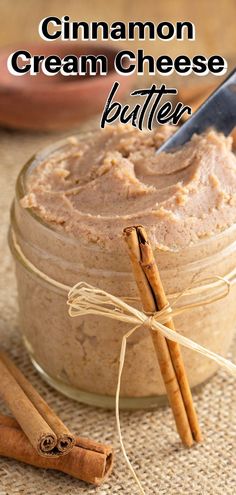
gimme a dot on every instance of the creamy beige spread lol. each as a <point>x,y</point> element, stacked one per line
<point>87,190</point>
<point>115,178</point>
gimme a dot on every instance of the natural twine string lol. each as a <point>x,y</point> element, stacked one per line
<point>84,299</point>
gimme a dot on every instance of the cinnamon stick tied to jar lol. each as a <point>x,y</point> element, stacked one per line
<point>45,431</point>
<point>168,353</point>
<point>88,460</point>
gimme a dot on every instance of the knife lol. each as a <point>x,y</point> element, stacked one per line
<point>218,111</point>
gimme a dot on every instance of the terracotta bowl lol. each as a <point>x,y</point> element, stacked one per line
<point>46,103</point>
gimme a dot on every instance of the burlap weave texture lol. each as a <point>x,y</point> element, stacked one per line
<point>163,466</point>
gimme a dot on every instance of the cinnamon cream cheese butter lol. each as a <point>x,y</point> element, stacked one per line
<point>72,202</point>
<point>115,178</point>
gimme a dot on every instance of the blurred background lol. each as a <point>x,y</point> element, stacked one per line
<point>215,34</point>
<point>214,20</point>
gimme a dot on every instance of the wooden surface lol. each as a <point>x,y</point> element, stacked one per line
<point>215,21</point>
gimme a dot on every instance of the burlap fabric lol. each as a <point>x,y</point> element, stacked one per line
<point>163,465</point>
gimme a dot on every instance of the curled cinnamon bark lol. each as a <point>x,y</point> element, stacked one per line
<point>46,432</point>
<point>88,460</point>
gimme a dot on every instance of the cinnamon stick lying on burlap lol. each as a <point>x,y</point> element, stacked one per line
<point>46,432</point>
<point>88,461</point>
<point>168,352</point>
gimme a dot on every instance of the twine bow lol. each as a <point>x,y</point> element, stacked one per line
<point>84,299</point>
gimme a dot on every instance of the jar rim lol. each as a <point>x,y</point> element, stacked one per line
<point>37,158</point>
<point>32,162</point>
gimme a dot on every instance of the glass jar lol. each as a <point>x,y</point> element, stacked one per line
<point>80,356</point>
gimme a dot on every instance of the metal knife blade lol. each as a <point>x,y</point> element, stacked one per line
<point>218,111</point>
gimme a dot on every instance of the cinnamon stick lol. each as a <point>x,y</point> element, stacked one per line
<point>151,271</point>
<point>88,460</point>
<point>169,356</point>
<point>46,432</point>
